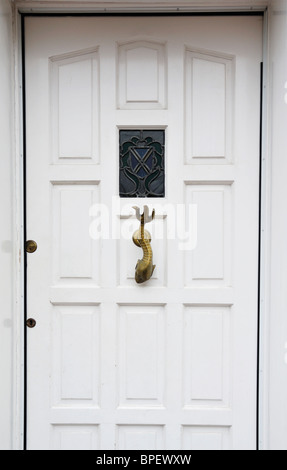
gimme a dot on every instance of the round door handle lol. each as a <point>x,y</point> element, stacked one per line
<point>31,323</point>
<point>31,246</point>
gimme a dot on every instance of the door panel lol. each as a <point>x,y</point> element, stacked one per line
<point>171,364</point>
<point>74,98</point>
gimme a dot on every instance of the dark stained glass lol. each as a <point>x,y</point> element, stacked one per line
<point>142,163</point>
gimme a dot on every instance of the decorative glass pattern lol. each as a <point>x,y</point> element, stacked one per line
<point>142,163</point>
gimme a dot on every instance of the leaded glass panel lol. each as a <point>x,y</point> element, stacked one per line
<point>142,163</point>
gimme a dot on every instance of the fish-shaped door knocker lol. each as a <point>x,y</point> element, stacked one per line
<point>142,239</point>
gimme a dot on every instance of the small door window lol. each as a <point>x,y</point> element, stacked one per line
<point>142,163</point>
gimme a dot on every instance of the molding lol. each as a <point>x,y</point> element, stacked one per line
<point>18,221</point>
<point>117,6</point>
<point>265,248</point>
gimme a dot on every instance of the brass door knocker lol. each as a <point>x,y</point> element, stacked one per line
<point>142,239</point>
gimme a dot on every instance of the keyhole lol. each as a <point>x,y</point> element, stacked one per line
<point>31,323</point>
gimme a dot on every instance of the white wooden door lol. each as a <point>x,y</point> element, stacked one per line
<point>171,364</point>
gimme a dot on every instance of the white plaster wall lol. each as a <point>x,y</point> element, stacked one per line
<point>6,217</point>
<point>277,402</point>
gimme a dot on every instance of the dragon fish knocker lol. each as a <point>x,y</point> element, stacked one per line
<point>142,239</point>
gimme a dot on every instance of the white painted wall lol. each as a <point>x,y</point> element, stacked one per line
<point>277,400</point>
<point>6,221</point>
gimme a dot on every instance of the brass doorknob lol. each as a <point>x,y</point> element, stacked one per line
<point>31,323</point>
<point>31,246</point>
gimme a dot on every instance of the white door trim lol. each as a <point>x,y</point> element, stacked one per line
<point>93,6</point>
<point>134,7</point>
<point>265,250</point>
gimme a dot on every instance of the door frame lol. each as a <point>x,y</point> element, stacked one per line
<point>27,8</point>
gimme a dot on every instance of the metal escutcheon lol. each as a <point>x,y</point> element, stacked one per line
<point>31,323</point>
<point>31,246</point>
